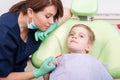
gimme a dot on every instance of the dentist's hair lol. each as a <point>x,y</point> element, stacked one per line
<point>36,6</point>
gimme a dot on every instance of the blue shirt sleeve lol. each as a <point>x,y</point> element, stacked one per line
<point>7,50</point>
<point>7,46</point>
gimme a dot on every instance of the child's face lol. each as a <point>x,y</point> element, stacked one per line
<point>78,40</point>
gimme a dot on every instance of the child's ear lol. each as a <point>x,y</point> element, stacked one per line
<point>88,48</point>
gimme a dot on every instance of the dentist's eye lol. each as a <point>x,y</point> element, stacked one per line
<point>47,16</point>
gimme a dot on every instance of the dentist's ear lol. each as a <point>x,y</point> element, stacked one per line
<point>30,12</point>
<point>30,15</point>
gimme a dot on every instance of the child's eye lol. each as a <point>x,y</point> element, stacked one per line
<point>71,34</point>
<point>81,36</point>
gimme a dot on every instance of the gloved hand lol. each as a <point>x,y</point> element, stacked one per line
<point>46,67</point>
<point>43,34</point>
<point>40,35</point>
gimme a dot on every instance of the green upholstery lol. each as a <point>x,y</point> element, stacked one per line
<point>106,47</point>
<point>84,7</point>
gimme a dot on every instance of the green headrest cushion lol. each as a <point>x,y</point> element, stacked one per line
<point>84,7</point>
<point>106,47</point>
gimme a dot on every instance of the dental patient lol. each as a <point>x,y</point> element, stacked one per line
<point>78,64</point>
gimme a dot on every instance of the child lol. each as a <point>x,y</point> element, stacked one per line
<point>79,65</point>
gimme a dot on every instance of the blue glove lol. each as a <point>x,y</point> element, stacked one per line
<point>43,34</point>
<point>46,67</point>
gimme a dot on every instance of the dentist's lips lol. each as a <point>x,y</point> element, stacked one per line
<point>47,27</point>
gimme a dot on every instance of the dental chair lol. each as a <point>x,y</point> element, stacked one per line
<point>106,47</point>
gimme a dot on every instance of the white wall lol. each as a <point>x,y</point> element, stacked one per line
<point>66,3</point>
<point>6,4</point>
<point>105,6</point>
<point>109,6</point>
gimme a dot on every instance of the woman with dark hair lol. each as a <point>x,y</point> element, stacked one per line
<point>17,36</point>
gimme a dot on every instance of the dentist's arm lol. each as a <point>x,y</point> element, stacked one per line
<point>46,67</point>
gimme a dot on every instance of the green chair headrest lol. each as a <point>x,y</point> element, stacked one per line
<point>84,7</point>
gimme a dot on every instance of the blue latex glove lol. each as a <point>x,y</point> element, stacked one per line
<point>43,34</point>
<point>46,67</point>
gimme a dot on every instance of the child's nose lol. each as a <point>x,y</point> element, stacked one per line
<point>74,36</point>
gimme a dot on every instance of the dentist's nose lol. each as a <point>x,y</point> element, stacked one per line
<point>51,20</point>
